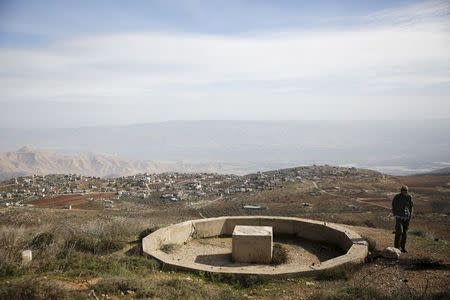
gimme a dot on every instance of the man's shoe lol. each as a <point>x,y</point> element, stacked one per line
<point>404,250</point>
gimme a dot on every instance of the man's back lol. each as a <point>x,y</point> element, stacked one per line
<point>402,205</point>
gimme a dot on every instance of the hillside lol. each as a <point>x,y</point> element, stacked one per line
<point>28,161</point>
<point>93,248</point>
<point>443,171</point>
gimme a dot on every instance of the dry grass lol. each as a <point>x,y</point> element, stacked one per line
<point>169,248</point>
<point>35,288</point>
<point>73,248</point>
<point>279,254</point>
<point>123,286</point>
<point>343,272</point>
<point>13,241</point>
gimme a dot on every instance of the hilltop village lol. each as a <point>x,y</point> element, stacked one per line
<point>22,191</point>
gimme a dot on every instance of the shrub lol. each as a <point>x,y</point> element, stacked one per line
<point>279,254</point>
<point>117,229</point>
<point>422,233</point>
<point>118,285</point>
<point>137,250</point>
<point>84,264</point>
<point>9,268</point>
<point>94,245</point>
<point>440,206</point>
<point>179,289</point>
<point>87,264</point>
<point>183,289</point>
<point>146,232</point>
<point>42,241</point>
<point>350,294</point>
<point>369,224</point>
<point>12,241</point>
<point>371,242</point>
<point>168,248</point>
<point>337,273</point>
<point>32,289</point>
<point>350,222</point>
<point>139,264</point>
<point>240,281</point>
<point>422,263</point>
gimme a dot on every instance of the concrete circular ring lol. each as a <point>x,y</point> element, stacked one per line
<point>355,246</point>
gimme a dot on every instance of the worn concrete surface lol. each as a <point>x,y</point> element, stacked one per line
<point>351,243</point>
<point>252,244</point>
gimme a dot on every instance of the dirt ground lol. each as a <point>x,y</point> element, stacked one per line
<point>77,201</point>
<point>217,252</point>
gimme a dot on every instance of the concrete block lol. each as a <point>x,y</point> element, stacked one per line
<point>252,244</point>
<point>27,257</point>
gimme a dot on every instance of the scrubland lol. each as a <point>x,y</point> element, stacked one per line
<point>89,254</point>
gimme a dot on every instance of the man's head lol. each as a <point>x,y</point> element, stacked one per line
<point>404,190</point>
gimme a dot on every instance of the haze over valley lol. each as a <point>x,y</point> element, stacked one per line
<point>240,147</point>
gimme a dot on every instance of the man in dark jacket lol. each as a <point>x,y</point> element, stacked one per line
<point>402,209</point>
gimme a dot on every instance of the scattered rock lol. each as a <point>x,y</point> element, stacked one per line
<point>27,257</point>
<point>92,295</point>
<point>391,253</point>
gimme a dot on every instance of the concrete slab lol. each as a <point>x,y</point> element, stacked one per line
<point>252,244</point>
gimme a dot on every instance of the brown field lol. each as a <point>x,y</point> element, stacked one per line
<point>426,181</point>
<point>77,201</point>
<point>380,202</point>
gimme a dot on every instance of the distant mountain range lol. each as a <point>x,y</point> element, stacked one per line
<point>28,161</point>
<point>392,147</point>
<point>443,171</point>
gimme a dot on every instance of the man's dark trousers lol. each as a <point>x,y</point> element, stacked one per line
<point>401,228</point>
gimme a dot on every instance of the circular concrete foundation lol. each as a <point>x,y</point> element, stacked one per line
<point>205,245</point>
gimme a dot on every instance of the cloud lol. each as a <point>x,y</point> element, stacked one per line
<point>400,49</point>
<point>425,11</point>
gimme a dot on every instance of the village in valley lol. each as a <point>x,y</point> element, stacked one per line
<point>27,190</point>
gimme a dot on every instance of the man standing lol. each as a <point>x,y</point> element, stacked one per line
<point>402,208</point>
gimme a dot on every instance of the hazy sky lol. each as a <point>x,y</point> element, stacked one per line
<point>78,63</point>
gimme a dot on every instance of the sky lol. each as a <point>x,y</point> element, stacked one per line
<point>98,63</point>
